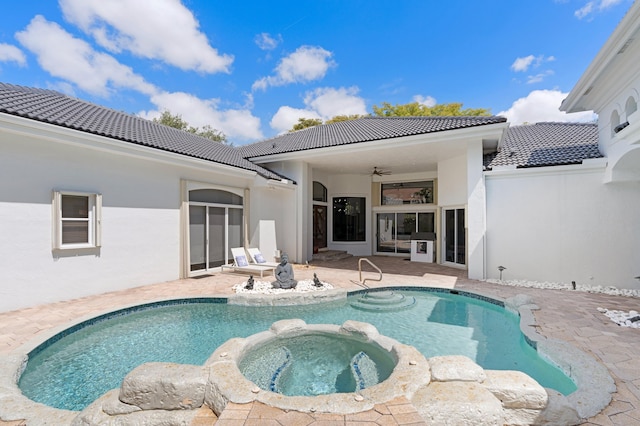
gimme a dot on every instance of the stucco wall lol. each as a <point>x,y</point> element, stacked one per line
<point>452,181</point>
<point>140,220</point>
<point>562,224</point>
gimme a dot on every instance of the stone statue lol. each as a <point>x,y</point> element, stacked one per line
<point>249,285</point>
<point>316,280</point>
<point>284,274</point>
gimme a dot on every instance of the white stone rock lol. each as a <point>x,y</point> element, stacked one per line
<point>458,403</point>
<point>288,326</point>
<point>366,330</point>
<point>515,389</point>
<point>164,386</point>
<point>455,368</point>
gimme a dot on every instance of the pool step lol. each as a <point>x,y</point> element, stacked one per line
<point>364,371</point>
<point>383,301</point>
<point>284,360</point>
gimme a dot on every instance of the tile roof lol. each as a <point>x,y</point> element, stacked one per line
<point>61,110</point>
<point>361,130</point>
<point>546,144</point>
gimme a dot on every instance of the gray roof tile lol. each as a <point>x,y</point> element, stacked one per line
<point>361,130</point>
<point>61,110</point>
<point>546,144</point>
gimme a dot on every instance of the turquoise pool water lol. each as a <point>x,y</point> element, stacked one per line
<point>70,372</point>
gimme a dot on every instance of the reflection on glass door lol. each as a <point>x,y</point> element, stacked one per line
<point>213,231</point>
<point>386,231</point>
<point>394,230</point>
<point>454,238</point>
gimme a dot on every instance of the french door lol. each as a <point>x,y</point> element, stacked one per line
<point>455,250</point>
<point>213,231</point>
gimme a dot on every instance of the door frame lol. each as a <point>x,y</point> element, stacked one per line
<point>456,236</point>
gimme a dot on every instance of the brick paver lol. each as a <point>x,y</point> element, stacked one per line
<point>568,315</point>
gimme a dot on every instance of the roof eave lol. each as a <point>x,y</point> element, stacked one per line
<point>576,100</point>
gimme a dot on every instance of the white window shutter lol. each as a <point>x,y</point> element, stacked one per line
<point>56,225</point>
<point>98,221</point>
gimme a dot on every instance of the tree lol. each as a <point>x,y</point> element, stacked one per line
<point>416,109</point>
<point>177,122</point>
<point>303,123</point>
<point>339,118</point>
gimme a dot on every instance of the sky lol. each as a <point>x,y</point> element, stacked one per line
<point>251,69</point>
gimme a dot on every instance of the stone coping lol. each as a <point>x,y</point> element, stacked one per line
<point>593,381</point>
<point>411,372</point>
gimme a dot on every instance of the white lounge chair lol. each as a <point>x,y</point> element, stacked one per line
<point>240,264</point>
<point>257,258</point>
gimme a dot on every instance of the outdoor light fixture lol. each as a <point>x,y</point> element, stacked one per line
<point>619,127</point>
<point>501,268</point>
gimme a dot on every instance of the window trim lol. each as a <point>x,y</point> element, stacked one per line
<point>94,219</point>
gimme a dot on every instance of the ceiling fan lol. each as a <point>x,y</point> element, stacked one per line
<point>377,172</point>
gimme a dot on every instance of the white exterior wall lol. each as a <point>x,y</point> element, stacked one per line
<point>452,181</point>
<point>140,219</point>
<point>475,213</point>
<point>562,224</point>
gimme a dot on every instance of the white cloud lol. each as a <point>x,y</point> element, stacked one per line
<point>307,63</point>
<point>266,42</point>
<point>427,101</point>
<point>329,102</point>
<point>538,78</point>
<point>323,103</point>
<point>286,117</point>
<point>74,60</point>
<point>543,105</point>
<point>155,29</point>
<point>593,7</point>
<point>239,124</point>
<point>523,64</point>
<point>10,53</point>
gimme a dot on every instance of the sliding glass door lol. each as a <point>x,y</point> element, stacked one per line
<point>454,236</point>
<point>394,229</point>
<point>213,228</point>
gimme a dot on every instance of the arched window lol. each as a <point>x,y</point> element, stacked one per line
<point>319,192</point>
<point>630,107</point>
<point>615,122</point>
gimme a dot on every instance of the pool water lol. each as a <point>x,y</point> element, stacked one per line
<point>78,368</point>
<point>316,364</point>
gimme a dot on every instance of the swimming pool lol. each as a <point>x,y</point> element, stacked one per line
<point>71,370</point>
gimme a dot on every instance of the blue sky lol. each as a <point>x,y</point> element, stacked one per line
<point>252,68</point>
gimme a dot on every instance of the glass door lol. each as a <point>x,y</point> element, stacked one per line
<point>213,231</point>
<point>386,232</point>
<point>394,230</point>
<point>454,238</point>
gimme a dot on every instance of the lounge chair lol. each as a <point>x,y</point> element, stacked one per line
<point>258,259</point>
<point>240,264</point>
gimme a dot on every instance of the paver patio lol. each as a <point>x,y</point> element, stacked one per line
<point>565,314</point>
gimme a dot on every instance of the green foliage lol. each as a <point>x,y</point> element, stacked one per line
<point>416,109</point>
<point>177,122</point>
<point>303,123</point>
<point>339,118</point>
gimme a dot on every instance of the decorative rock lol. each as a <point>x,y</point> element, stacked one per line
<point>559,411</point>
<point>515,389</point>
<point>455,368</point>
<point>363,329</point>
<point>359,398</point>
<point>458,403</point>
<point>164,386</point>
<point>287,326</point>
<point>255,389</point>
